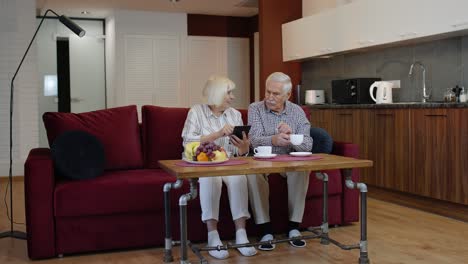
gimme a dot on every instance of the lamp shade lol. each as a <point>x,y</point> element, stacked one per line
<point>72,26</point>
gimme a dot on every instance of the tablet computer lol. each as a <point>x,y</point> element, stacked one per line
<point>238,131</point>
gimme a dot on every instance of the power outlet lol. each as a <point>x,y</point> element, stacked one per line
<point>396,83</point>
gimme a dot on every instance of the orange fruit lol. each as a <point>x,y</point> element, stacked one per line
<point>202,157</point>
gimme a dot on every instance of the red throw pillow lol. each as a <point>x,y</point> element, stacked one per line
<point>116,128</point>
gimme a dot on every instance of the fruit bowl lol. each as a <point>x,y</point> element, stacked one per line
<point>205,152</point>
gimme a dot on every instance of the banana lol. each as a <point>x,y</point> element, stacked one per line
<point>191,149</point>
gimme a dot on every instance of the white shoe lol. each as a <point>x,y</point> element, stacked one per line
<point>241,238</point>
<point>299,243</point>
<point>214,241</point>
<point>267,247</point>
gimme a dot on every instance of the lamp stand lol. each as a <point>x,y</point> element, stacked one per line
<point>78,31</point>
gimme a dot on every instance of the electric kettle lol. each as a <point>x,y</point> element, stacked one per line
<point>383,94</point>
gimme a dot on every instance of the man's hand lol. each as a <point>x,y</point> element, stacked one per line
<point>284,128</point>
<point>281,140</point>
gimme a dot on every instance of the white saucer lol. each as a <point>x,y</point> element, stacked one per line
<point>265,156</point>
<point>300,154</point>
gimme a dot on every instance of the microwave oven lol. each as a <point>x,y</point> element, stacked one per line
<point>352,91</point>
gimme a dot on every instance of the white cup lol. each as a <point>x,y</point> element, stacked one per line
<point>296,139</point>
<point>262,150</point>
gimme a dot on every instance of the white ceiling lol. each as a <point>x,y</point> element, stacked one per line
<point>103,8</point>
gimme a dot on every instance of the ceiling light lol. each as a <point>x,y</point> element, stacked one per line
<point>174,1</point>
<point>85,12</point>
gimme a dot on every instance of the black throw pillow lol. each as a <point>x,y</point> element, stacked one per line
<point>78,155</point>
<point>322,141</point>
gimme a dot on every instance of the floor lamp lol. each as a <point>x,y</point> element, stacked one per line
<point>78,31</point>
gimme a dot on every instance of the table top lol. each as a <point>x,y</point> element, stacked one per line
<point>327,162</point>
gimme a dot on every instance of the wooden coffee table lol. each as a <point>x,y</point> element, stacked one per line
<point>252,166</point>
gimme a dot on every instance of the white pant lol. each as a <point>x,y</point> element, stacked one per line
<point>259,192</point>
<point>210,193</point>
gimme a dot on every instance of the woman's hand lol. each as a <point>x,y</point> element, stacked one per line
<point>226,131</point>
<point>241,144</point>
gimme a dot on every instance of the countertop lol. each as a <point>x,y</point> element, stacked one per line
<point>391,106</point>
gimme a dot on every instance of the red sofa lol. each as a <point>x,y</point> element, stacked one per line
<point>123,208</point>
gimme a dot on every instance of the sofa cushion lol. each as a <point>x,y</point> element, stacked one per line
<point>78,155</point>
<point>123,191</point>
<point>116,128</point>
<point>162,133</point>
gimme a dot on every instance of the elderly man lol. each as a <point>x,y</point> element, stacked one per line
<point>273,120</point>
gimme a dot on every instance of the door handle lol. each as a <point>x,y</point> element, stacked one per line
<point>76,100</point>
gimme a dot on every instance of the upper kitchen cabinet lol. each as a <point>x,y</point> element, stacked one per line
<point>370,23</point>
<point>311,36</point>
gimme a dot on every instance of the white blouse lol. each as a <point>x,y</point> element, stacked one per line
<point>201,122</point>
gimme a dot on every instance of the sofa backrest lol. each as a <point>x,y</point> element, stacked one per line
<point>161,131</point>
<point>116,128</point>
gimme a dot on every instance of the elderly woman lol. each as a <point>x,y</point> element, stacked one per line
<point>215,121</point>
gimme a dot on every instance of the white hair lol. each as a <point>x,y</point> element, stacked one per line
<point>281,78</point>
<point>216,88</point>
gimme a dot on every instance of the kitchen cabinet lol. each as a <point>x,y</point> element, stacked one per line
<point>368,23</point>
<point>389,148</point>
<point>311,36</point>
<point>422,151</point>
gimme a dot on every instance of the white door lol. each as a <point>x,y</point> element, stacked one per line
<point>153,73</point>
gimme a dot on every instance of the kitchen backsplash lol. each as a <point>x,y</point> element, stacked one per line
<point>444,61</point>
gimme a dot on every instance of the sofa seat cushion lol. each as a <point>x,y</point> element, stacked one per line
<point>116,128</point>
<point>124,191</point>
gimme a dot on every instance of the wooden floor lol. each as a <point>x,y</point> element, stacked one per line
<point>396,234</point>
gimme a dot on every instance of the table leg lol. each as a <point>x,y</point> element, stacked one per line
<point>167,218</point>
<point>363,254</point>
<point>324,178</point>
<point>183,200</point>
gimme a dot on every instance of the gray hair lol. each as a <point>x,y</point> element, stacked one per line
<point>216,88</point>
<point>281,78</point>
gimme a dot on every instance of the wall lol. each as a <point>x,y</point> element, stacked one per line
<point>272,14</point>
<point>17,25</point>
<point>444,60</point>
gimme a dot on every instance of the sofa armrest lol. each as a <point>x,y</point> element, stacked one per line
<point>350,198</point>
<point>39,183</point>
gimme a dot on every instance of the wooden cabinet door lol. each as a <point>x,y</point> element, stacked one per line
<point>321,118</point>
<point>389,148</point>
<point>458,187</point>
<point>345,125</point>
<point>432,158</point>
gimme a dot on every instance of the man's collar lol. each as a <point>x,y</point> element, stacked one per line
<point>285,111</point>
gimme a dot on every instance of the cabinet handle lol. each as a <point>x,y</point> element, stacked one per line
<point>460,24</point>
<point>435,115</point>
<point>385,114</point>
<point>364,42</point>
<point>345,114</point>
<point>408,34</point>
